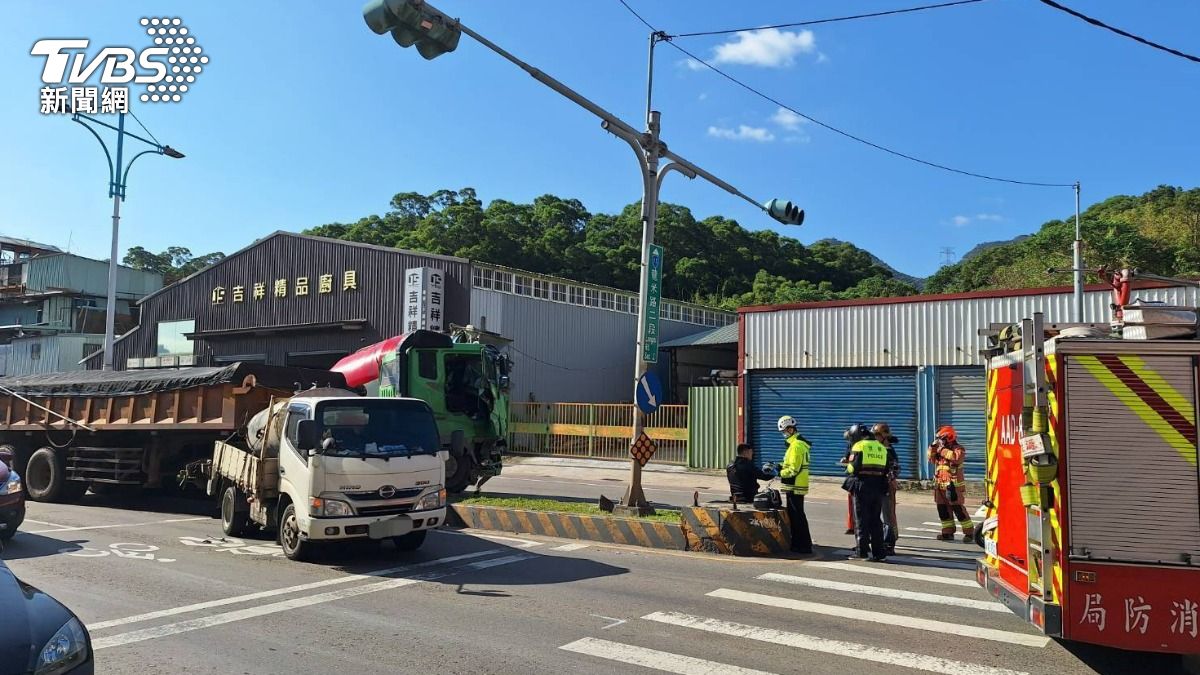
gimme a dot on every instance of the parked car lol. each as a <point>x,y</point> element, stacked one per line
<point>38,635</point>
<point>12,497</point>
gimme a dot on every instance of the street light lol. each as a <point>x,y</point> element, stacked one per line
<point>118,175</point>
<point>416,22</point>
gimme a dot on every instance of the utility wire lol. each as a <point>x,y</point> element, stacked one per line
<point>860,139</point>
<point>1118,31</point>
<point>143,126</point>
<point>555,365</point>
<point>834,129</point>
<point>820,21</point>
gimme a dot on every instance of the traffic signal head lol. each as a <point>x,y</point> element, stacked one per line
<point>785,212</point>
<point>413,22</point>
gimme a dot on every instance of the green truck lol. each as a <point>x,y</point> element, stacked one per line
<point>464,381</point>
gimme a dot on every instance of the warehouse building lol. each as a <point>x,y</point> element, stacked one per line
<point>913,362</point>
<point>304,301</point>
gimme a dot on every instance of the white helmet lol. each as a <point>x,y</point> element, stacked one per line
<point>786,421</point>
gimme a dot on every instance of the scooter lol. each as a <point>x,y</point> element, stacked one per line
<point>769,497</point>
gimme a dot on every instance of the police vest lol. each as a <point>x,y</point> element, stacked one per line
<point>874,456</point>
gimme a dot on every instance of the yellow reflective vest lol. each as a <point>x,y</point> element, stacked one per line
<point>795,465</point>
<point>874,457</point>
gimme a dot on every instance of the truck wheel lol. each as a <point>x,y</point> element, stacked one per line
<point>293,546</point>
<point>411,541</point>
<point>46,478</point>
<point>234,521</point>
<point>458,472</point>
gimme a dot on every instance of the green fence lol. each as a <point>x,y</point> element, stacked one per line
<point>712,426</point>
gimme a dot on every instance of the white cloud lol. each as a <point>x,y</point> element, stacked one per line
<point>961,220</point>
<point>787,119</point>
<point>692,64</point>
<point>742,133</point>
<point>766,47</point>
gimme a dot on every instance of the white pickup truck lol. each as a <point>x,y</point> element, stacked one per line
<point>327,466</point>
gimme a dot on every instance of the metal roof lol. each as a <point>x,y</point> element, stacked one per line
<point>25,243</point>
<point>724,335</point>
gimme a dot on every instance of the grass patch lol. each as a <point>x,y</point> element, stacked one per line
<point>552,505</point>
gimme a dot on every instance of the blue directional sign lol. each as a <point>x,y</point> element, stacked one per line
<point>649,392</point>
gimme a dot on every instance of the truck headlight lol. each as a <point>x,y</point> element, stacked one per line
<point>432,500</point>
<point>67,649</point>
<point>330,508</point>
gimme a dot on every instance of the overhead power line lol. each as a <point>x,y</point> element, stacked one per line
<point>814,22</point>
<point>143,126</point>
<point>840,132</point>
<point>1118,31</point>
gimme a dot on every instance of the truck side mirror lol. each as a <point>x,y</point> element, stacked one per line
<point>307,435</point>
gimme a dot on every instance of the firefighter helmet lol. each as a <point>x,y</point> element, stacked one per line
<point>947,434</point>
<point>786,421</point>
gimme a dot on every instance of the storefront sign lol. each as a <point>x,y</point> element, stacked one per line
<point>325,284</point>
<point>424,293</point>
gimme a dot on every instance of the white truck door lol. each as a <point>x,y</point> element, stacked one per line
<point>294,464</point>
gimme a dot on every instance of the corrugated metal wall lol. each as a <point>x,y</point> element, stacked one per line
<point>825,403</point>
<point>712,427</point>
<point>962,403</point>
<point>563,352</point>
<point>84,275</point>
<point>378,300</point>
<point>931,333</point>
<point>48,354</point>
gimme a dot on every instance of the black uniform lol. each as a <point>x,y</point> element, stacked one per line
<point>743,475</point>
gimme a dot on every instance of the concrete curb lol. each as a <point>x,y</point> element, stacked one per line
<point>605,529</point>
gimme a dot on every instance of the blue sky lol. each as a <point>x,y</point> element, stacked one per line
<point>304,116</point>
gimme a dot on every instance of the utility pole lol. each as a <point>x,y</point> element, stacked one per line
<point>415,22</point>
<point>118,175</point>
<point>1078,261</point>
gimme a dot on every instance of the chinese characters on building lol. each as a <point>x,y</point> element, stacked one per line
<point>424,291</point>
<point>86,100</point>
<point>286,287</point>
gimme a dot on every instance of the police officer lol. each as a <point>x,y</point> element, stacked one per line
<point>891,530</point>
<point>868,468</point>
<point>794,475</point>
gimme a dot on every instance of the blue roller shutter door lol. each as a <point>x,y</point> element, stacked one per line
<point>825,402</point>
<point>961,403</point>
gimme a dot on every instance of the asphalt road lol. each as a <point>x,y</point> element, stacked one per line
<point>162,592</point>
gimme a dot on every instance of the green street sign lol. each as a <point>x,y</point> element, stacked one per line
<point>653,298</point>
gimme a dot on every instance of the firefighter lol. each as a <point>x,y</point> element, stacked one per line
<point>891,529</point>
<point>794,475</point>
<point>869,485</point>
<point>950,487</point>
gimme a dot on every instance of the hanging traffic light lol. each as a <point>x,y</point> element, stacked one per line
<point>785,212</point>
<point>413,22</point>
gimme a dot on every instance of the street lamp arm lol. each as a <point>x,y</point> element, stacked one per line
<point>697,171</point>
<point>125,176</point>
<point>111,172</point>
<point>119,130</point>
<point>676,166</point>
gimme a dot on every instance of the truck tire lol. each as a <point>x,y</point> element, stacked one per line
<point>411,541</point>
<point>234,520</point>
<point>294,547</point>
<point>458,472</point>
<point>46,478</point>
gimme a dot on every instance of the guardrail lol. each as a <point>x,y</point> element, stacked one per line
<point>594,430</point>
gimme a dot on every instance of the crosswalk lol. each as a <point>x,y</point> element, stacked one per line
<point>806,615</point>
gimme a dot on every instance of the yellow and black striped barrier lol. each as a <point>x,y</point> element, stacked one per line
<point>605,529</point>
<point>748,532</point>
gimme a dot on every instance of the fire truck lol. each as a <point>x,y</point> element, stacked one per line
<point>1092,522</point>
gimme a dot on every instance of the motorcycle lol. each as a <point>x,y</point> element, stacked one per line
<point>769,497</point>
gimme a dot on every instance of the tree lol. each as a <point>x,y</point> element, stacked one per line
<point>173,264</point>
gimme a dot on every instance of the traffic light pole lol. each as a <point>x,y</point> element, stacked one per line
<point>407,27</point>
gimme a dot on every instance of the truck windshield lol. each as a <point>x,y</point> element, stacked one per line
<point>357,428</point>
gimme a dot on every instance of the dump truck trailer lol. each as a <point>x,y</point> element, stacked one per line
<point>71,431</point>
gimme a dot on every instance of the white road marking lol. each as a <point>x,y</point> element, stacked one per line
<point>886,571</point>
<point>967,554</point>
<point>522,543</point>
<point>615,621</point>
<point>138,618</point>
<point>923,529</point>
<point>295,603</point>
<point>652,658</point>
<point>569,547</point>
<point>882,592</point>
<point>108,527</point>
<point>825,646</point>
<point>895,620</point>
<point>931,562</point>
<point>937,525</point>
<point>42,522</point>
<point>918,536</point>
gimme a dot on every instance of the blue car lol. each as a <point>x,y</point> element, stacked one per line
<point>38,635</point>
